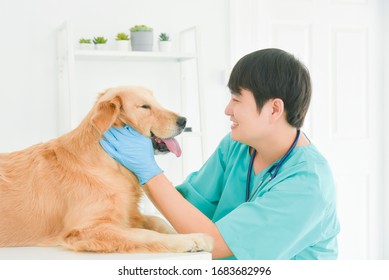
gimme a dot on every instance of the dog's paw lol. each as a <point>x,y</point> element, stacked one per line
<point>183,243</point>
<point>201,242</point>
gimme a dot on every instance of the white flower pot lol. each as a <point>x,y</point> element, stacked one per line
<point>142,41</point>
<point>165,46</point>
<point>101,47</point>
<point>83,46</point>
<point>122,45</point>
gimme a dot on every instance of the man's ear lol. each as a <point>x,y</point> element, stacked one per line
<point>106,114</point>
<point>277,108</point>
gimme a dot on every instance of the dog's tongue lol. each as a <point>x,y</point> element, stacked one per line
<point>173,146</point>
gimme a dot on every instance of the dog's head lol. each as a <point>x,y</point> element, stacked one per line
<point>137,107</point>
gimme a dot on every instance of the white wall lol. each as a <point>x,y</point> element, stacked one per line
<point>28,73</point>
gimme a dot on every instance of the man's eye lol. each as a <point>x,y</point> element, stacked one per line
<point>145,106</point>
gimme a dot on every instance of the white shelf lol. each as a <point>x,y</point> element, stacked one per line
<point>132,56</point>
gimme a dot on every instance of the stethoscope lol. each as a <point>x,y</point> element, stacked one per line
<point>273,171</point>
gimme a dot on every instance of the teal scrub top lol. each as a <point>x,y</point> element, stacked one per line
<point>291,217</point>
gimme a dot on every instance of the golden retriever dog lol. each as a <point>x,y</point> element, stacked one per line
<point>70,192</point>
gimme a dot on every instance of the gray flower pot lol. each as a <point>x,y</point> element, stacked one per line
<point>142,41</point>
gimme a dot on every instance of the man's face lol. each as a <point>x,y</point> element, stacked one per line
<point>248,124</point>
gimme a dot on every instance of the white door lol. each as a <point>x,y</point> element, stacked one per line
<point>340,43</point>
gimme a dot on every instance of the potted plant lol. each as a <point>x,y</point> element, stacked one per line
<point>122,41</point>
<point>100,43</point>
<point>165,45</point>
<point>142,38</point>
<point>85,44</point>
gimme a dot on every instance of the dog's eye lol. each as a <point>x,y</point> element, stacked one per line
<point>145,106</point>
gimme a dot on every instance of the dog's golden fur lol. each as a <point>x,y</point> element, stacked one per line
<point>69,192</point>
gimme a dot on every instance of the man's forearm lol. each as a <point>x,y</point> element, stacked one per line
<point>183,216</point>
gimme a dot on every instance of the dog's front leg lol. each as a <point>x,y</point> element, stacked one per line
<point>157,224</point>
<point>111,238</point>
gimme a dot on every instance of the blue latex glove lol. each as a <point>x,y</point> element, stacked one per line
<point>132,150</point>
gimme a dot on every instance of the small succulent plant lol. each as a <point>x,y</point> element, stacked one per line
<point>164,37</point>
<point>85,41</point>
<point>99,40</point>
<point>122,37</point>
<point>138,28</point>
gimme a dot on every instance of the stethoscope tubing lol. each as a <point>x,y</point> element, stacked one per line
<point>276,167</point>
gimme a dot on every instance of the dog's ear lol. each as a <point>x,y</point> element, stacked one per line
<point>106,114</point>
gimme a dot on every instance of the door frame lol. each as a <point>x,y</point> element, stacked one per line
<point>386,128</point>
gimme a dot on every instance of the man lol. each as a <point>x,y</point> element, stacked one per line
<point>266,192</point>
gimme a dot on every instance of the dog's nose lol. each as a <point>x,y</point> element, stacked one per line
<point>181,122</point>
